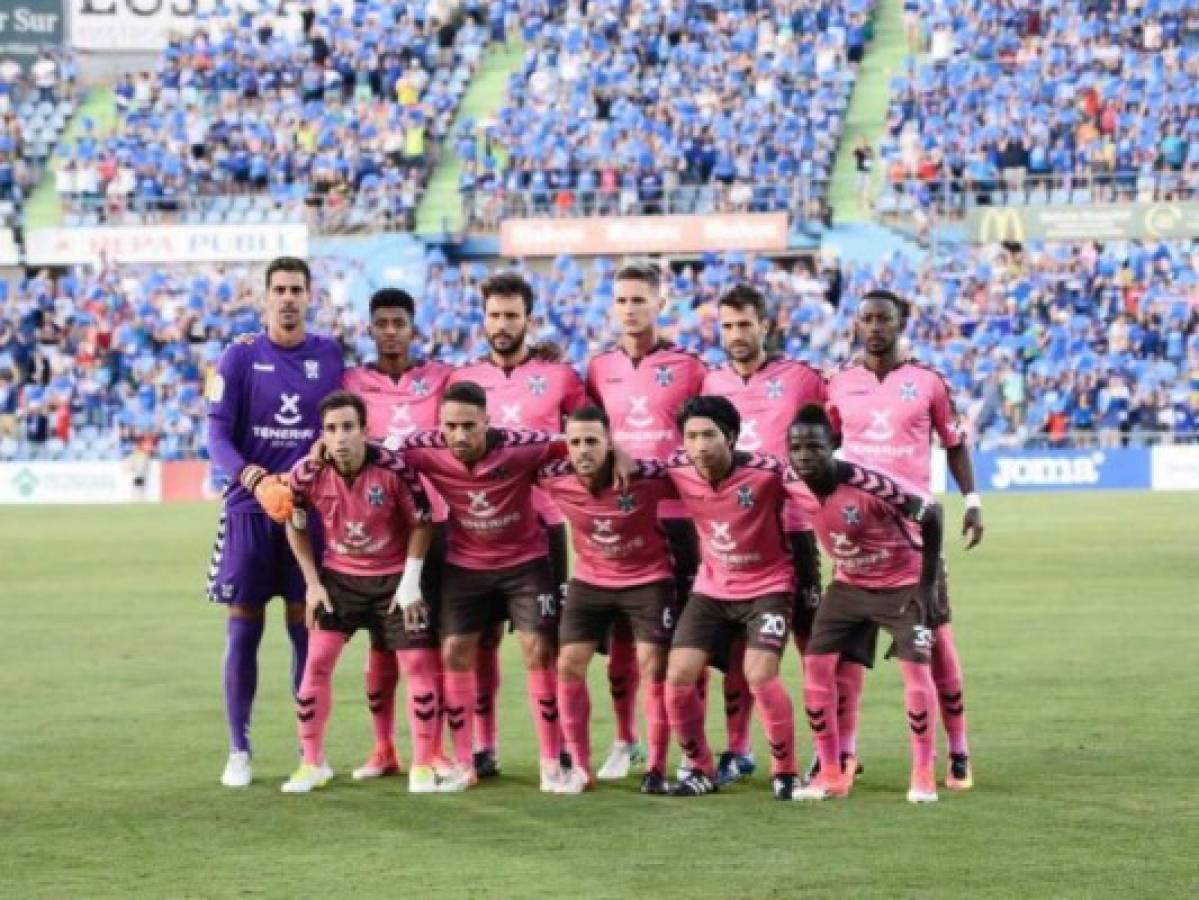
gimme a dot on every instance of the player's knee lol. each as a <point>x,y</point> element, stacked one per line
<point>760,668</point>
<point>253,613</point>
<point>682,670</point>
<point>458,653</point>
<point>540,651</point>
<point>652,662</point>
<point>572,662</point>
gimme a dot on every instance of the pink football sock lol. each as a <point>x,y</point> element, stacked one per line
<point>738,701</point>
<point>421,668</point>
<point>820,705</point>
<point>778,721</point>
<point>686,714</point>
<point>947,676</point>
<point>542,687</point>
<point>459,690</point>
<point>657,726</point>
<point>918,693</point>
<point>574,702</point>
<point>487,669</point>
<point>314,701</point>
<point>850,680</point>
<point>382,677</point>
<point>623,679</point>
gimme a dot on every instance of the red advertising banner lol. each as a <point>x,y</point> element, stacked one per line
<point>644,234</point>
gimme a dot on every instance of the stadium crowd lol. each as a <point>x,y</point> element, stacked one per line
<point>646,107</point>
<point>1055,343</point>
<point>334,108</point>
<point>1036,103</point>
<point>35,103</point>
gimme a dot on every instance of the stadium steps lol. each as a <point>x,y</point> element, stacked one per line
<point>43,210</point>
<point>867,111</point>
<point>440,209</point>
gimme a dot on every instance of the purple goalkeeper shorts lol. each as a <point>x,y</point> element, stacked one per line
<point>251,561</point>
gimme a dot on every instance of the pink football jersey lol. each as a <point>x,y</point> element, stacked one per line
<point>366,519</point>
<point>767,401</point>
<point>743,551</point>
<point>396,407</point>
<point>866,526</point>
<point>492,524</point>
<point>617,539</point>
<point>535,394</point>
<point>642,399</point>
<point>888,424</point>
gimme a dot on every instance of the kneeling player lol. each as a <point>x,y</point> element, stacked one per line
<point>373,509</point>
<point>622,568</point>
<point>884,575</point>
<point>744,586</point>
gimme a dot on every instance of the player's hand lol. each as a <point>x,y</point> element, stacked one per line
<point>623,467</point>
<point>316,598</point>
<point>275,498</point>
<point>416,617</point>
<point>546,351</point>
<point>972,527</point>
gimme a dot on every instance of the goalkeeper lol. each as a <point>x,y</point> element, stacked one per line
<point>262,418</point>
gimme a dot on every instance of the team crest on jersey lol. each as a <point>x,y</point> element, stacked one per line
<point>625,502</point>
<point>851,514</point>
<point>537,385</point>
<point>664,376</point>
<point>774,389</point>
<point>907,391</point>
<point>312,369</point>
<point>745,496</point>
<point>420,387</point>
<point>374,496</point>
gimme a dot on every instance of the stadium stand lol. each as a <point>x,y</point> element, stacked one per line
<point>35,105</point>
<point>1065,342</point>
<point>1072,102</point>
<point>644,108</point>
<point>332,113</point>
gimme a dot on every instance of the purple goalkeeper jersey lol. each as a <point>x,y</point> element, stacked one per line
<point>262,406</point>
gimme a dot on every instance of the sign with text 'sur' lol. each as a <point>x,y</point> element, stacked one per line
<point>30,26</point>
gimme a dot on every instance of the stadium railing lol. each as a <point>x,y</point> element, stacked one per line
<point>804,198</point>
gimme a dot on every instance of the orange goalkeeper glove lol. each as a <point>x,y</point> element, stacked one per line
<point>275,497</point>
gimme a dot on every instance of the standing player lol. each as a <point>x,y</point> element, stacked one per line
<point>641,384</point>
<point>886,409</point>
<point>744,586</point>
<point>262,418</point>
<point>374,516</point>
<point>882,577</point>
<point>401,396</point>
<point>768,391</point>
<point>526,391</point>
<point>622,567</point>
<point>497,564</point>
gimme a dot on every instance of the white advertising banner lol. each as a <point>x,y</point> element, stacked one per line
<point>9,254</point>
<point>80,482</point>
<point>128,24</point>
<point>1175,468</point>
<point>175,243</point>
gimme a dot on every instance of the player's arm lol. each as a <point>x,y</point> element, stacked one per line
<point>961,467</point>
<point>931,534</point>
<point>315,595</point>
<point>224,411</point>
<point>408,595</point>
<point>805,556</point>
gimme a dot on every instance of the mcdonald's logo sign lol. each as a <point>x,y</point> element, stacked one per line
<point>998,223</point>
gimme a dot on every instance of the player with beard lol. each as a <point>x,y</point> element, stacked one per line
<point>641,384</point>
<point>767,390</point>
<point>524,390</point>
<point>887,408</point>
<point>262,418</point>
<point>402,394</point>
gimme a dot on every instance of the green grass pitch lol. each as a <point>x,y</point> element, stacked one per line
<point>1077,624</point>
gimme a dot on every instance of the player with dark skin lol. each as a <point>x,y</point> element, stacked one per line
<point>879,324</point>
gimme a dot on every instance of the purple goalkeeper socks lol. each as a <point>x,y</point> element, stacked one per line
<point>298,635</point>
<point>241,678</point>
